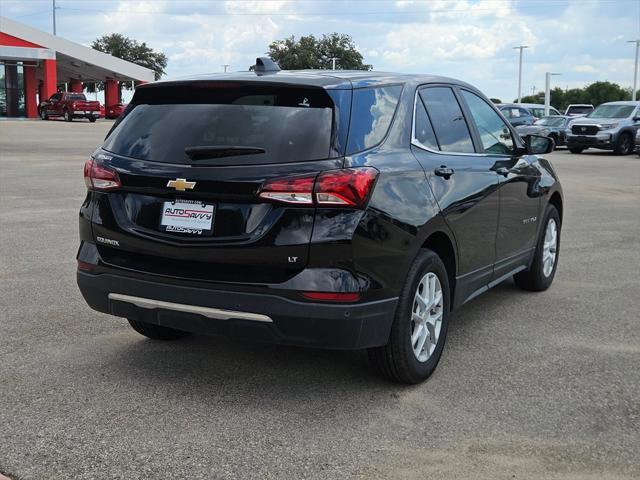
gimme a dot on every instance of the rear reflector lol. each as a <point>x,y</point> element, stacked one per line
<point>348,187</point>
<point>85,267</point>
<point>99,177</point>
<point>331,296</point>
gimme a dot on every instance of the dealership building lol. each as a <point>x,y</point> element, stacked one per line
<point>34,65</point>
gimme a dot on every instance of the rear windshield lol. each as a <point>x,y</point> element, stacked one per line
<point>579,110</point>
<point>279,124</point>
<point>76,96</point>
<point>612,111</point>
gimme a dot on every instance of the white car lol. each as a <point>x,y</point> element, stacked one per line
<point>578,110</point>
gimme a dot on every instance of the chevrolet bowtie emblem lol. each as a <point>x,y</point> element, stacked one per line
<point>181,184</point>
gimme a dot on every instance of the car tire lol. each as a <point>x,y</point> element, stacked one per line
<point>43,114</point>
<point>92,119</point>
<point>67,116</point>
<point>156,332</point>
<point>624,145</point>
<point>576,149</point>
<point>539,276</point>
<point>399,359</point>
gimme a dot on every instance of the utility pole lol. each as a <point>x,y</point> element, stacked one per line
<point>333,61</point>
<point>225,67</point>
<point>533,89</point>
<point>54,17</point>
<point>635,69</point>
<point>547,92</point>
<point>521,48</point>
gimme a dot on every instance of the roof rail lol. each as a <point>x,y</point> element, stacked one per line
<point>265,65</point>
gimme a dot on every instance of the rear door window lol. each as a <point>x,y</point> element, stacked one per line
<point>241,124</point>
<point>371,113</point>
<point>423,131</point>
<point>447,119</point>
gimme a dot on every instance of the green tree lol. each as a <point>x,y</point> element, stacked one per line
<point>132,51</point>
<point>495,100</point>
<point>316,53</point>
<point>594,93</point>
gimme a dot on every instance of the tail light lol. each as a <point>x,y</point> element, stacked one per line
<point>99,177</point>
<point>348,187</point>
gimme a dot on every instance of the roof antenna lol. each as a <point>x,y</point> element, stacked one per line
<point>265,65</point>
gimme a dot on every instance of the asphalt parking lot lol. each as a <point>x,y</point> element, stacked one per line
<point>530,385</point>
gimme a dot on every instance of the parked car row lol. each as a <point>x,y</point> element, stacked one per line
<point>71,105</point>
<point>611,126</point>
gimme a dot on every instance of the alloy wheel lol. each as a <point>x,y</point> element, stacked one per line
<point>426,316</point>
<point>549,248</point>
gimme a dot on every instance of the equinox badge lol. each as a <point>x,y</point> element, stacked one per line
<point>181,184</point>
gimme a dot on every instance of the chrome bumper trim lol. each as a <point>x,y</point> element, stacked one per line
<point>208,312</point>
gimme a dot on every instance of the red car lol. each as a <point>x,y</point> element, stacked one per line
<point>114,111</point>
<point>70,105</point>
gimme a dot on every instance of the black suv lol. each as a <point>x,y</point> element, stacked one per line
<point>328,209</point>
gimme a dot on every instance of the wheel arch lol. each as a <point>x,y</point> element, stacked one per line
<point>556,201</point>
<point>443,245</point>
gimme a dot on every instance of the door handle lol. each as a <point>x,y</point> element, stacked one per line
<point>444,171</point>
<point>504,171</point>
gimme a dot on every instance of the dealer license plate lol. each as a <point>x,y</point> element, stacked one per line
<point>187,216</point>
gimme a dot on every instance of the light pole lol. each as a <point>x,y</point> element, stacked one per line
<point>521,48</point>
<point>635,69</point>
<point>225,67</point>
<point>54,17</point>
<point>547,91</point>
<point>333,62</point>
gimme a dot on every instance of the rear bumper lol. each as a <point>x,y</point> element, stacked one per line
<point>249,316</point>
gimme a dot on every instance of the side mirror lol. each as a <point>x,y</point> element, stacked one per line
<point>537,145</point>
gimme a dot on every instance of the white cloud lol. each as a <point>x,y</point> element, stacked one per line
<point>584,69</point>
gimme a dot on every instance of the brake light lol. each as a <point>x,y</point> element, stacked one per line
<point>331,296</point>
<point>348,187</point>
<point>99,177</point>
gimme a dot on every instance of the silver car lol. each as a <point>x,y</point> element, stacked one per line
<point>611,126</point>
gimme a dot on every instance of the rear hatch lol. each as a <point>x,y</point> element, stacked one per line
<point>80,103</point>
<point>187,163</point>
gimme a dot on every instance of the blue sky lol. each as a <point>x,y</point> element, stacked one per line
<point>472,40</point>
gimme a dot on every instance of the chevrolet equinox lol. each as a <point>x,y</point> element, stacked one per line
<point>345,210</point>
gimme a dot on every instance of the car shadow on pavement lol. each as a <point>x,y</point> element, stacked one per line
<point>202,362</point>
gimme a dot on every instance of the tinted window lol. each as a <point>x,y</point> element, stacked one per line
<point>447,119</point>
<point>524,113</point>
<point>573,110</point>
<point>371,114</point>
<point>511,112</point>
<point>291,125</point>
<point>76,96</point>
<point>423,129</point>
<point>494,133</point>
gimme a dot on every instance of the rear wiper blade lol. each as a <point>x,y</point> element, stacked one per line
<point>216,151</point>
